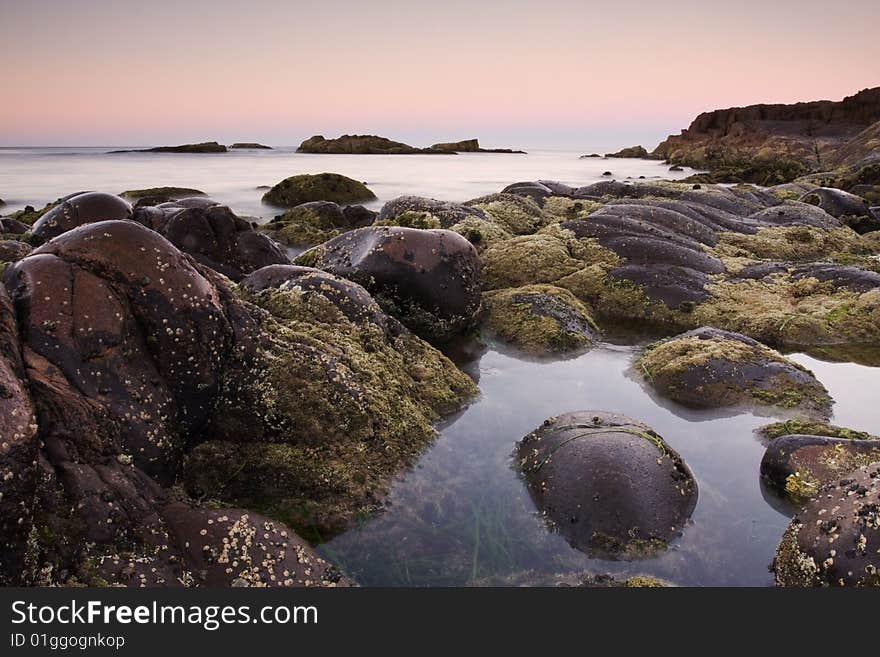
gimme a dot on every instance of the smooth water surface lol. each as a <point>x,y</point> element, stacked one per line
<point>36,176</point>
<point>462,515</point>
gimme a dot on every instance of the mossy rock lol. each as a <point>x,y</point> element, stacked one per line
<point>798,466</point>
<point>344,402</point>
<point>562,208</point>
<point>308,224</point>
<point>517,214</point>
<point>422,212</point>
<point>304,188</point>
<point>161,192</point>
<point>411,219</point>
<point>481,233</point>
<point>711,368</point>
<point>834,540</point>
<point>539,319</point>
<point>811,427</point>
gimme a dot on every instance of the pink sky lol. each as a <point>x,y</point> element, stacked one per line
<point>513,73</point>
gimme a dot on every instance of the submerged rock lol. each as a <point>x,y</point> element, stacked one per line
<point>609,484</point>
<point>835,539</point>
<point>428,279</point>
<point>540,319</point>
<point>711,368</point>
<point>78,210</point>
<point>152,194</point>
<point>305,187</point>
<point>798,466</point>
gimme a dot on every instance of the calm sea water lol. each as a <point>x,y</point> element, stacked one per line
<point>462,515</point>
<point>37,175</point>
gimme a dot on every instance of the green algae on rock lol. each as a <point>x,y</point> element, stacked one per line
<point>811,427</point>
<point>798,466</point>
<point>344,401</point>
<point>517,214</point>
<point>712,368</point>
<point>308,224</point>
<point>161,192</point>
<point>540,319</point>
<point>306,187</point>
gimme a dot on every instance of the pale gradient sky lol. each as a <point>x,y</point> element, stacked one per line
<point>517,73</point>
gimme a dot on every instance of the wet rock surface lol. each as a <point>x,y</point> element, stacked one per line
<point>304,188</point>
<point>77,210</point>
<point>428,279</point>
<point>125,364</point>
<point>12,250</point>
<point>213,235</point>
<point>404,210</point>
<point>798,466</point>
<point>609,484</point>
<point>712,368</point>
<point>835,539</point>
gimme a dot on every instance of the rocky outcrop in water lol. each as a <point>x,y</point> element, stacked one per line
<point>609,484</point>
<point>250,146</point>
<point>361,145</point>
<point>305,188</point>
<point>203,147</point>
<point>711,368</point>
<point>633,151</point>
<point>470,146</point>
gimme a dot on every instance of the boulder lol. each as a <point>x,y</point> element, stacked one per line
<point>12,250</point>
<point>798,466</point>
<point>406,210</point>
<point>78,210</point>
<point>712,368</point>
<point>609,484</point>
<point>311,223</point>
<point>851,210</point>
<point>303,188</point>
<point>11,226</point>
<point>167,193</point>
<point>539,319</point>
<point>428,279</point>
<point>835,539</point>
<point>215,237</point>
<point>516,213</point>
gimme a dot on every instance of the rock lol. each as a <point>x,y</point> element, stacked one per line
<point>798,466</point>
<point>539,319</point>
<point>428,279</point>
<point>470,146</point>
<point>480,233</point>
<point>361,145</point>
<point>835,539</point>
<point>18,453</point>
<point>12,251</point>
<point>249,145</point>
<point>204,147</point>
<point>78,210</point>
<point>610,485</point>
<point>417,209</point>
<point>215,237</point>
<point>811,428</point>
<point>711,368</point>
<point>517,214</point>
<point>167,193</point>
<point>304,188</point>
<point>10,226</point>
<point>358,216</point>
<point>771,144</point>
<point>146,369</point>
<point>850,209</point>
<point>311,223</point>
<point>675,167</point>
<point>607,173</point>
<point>632,152</point>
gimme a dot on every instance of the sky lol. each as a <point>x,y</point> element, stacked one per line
<point>514,73</point>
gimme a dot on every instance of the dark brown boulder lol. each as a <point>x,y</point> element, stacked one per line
<point>12,250</point>
<point>835,539</point>
<point>215,237</point>
<point>85,208</point>
<point>428,279</point>
<point>12,226</point>
<point>609,484</point>
<point>798,466</point>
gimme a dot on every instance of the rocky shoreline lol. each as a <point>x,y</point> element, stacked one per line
<point>185,403</point>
